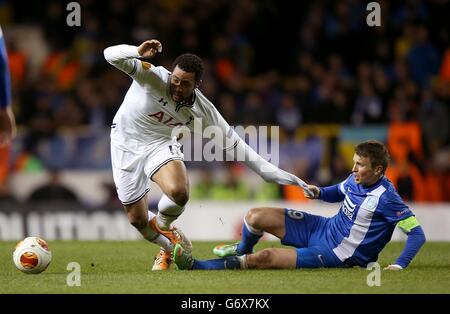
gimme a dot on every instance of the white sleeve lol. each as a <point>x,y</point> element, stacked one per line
<point>237,149</point>
<point>125,58</point>
<point>266,170</point>
<point>122,57</point>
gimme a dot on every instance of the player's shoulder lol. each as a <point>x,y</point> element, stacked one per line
<point>200,96</point>
<point>159,70</point>
<point>202,102</point>
<point>388,185</point>
<point>349,181</point>
<point>390,194</point>
<point>152,77</point>
<point>347,185</point>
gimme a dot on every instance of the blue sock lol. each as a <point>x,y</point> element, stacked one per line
<point>231,262</point>
<point>248,241</point>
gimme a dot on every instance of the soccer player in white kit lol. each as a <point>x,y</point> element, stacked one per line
<point>143,146</point>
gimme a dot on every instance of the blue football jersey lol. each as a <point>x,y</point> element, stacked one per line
<point>365,221</point>
<point>5,81</point>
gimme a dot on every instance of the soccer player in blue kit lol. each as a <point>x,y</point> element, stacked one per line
<point>371,208</point>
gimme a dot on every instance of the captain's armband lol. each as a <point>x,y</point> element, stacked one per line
<point>408,224</point>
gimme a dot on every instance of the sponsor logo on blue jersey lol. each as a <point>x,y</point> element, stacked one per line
<point>401,213</point>
<point>348,208</point>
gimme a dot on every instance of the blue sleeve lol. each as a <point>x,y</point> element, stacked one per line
<point>331,194</point>
<point>393,208</point>
<point>416,238</point>
<point>5,80</point>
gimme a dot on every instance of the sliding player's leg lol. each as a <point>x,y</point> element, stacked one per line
<point>309,257</point>
<point>294,228</point>
<point>256,222</point>
<point>274,258</point>
<point>265,259</point>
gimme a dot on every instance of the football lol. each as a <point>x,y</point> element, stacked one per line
<point>32,255</point>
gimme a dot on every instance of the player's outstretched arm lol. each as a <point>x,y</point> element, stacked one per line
<point>266,170</point>
<point>330,194</point>
<point>236,149</point>
<point>416,238</point>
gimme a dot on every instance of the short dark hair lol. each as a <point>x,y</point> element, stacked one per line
<point>190,63</point>
<point>375,151</point>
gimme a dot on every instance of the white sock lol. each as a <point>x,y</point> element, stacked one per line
<point>149,234</point>
<point>243,260</point>
<point>168,211</point>
<point>164,243</point>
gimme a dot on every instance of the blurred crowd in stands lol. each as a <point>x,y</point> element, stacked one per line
<point>314,66</point>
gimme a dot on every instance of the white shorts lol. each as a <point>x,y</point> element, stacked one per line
<point>132,172</point>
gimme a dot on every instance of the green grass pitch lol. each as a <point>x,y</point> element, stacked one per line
<point>125,267</point>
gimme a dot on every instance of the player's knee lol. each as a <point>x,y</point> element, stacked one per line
<point>179,195</point>
<point>267,255</point>
<point>135,216</point>
<point>264,258</point>
<point>137,221</point>
<point>253,217</point>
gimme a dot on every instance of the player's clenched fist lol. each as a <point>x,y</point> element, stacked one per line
<point>149,48</point>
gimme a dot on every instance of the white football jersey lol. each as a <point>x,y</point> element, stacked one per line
<point>148,115</point>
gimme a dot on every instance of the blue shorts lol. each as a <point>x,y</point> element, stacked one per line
<point>307,233</point>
